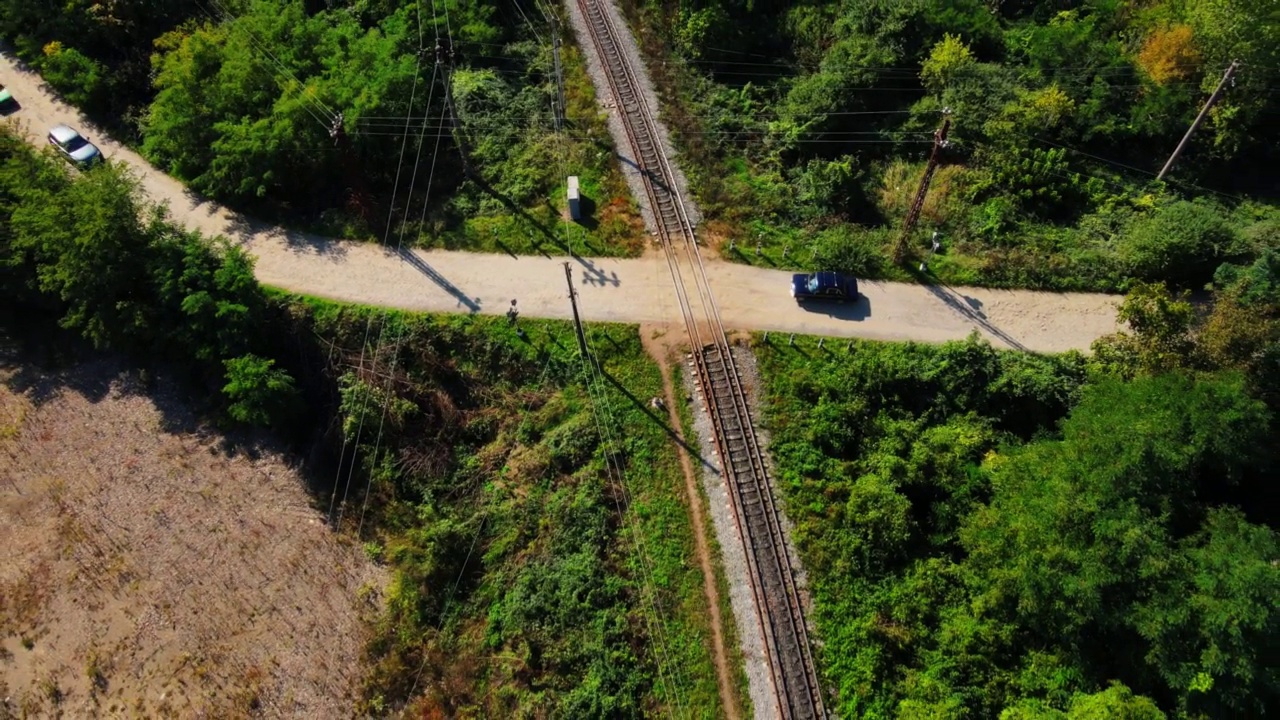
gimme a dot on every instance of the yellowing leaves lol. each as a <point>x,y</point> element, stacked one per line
<point>1169,54</point>
<point>1050,105</point>
<point>949,56</point>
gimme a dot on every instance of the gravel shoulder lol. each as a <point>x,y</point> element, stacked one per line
<point>632,290</point>
<point>609,104</point>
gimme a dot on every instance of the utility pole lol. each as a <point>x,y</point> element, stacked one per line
<point>555,52</point>
<point>447,55</point>
<point>939,142</point>
<point>577,321</point>
<point>1217,93</point>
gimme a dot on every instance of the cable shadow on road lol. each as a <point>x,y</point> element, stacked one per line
<point>411,258</point>
<point>971,309</point>
<point>675,437</point>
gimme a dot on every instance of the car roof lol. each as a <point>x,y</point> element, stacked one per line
<point>62,133</point>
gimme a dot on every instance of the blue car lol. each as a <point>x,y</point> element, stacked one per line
<point>832,286</point>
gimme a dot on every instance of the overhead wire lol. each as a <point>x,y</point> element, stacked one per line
<point>395,353</point>
<point>417,75</point>
<point>304,90</point>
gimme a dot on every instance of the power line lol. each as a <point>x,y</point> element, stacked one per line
<point>369,322</point>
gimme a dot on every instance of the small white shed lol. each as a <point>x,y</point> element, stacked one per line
<point>575,205</point>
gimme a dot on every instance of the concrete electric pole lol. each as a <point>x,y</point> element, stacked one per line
<point>577,321</point>
<point>1217,93</point>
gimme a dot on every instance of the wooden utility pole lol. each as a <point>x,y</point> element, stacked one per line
<point>1217,93</point>
<point>939,142</point>
<point>577,321</point>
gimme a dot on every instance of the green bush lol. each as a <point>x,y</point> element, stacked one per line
<point>80,79</point>
<point>258,393</point>
<point>1182,242</point>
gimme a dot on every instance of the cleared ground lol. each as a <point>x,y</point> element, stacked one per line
<point>153,568</point>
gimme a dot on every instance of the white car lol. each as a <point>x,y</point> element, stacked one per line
<point>73,146</point>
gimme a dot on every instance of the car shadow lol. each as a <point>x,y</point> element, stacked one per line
<point>857,310</point>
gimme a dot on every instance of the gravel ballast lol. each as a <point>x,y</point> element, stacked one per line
<point>733,553</point>
<point>600,80</point>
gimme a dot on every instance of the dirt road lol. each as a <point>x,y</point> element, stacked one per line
<point>632,291</point>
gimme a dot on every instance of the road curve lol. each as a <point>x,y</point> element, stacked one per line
<point>631,291</point>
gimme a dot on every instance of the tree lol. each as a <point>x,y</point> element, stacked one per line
<point>1085,539</point>
<point>257,392</point>
<point>945,61</point>
<point>1159,337</point>
<point>90,246</point>
<point>1213,634</point>
<point>1169,54</point>
<point>1115,703</point>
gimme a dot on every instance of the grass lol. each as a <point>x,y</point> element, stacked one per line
<point>728,625</point>
<point>610,226</point>
<point>554,488</point>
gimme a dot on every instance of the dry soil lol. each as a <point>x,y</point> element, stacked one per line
<point>153,569</point>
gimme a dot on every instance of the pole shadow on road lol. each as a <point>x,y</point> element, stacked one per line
<point>971,309</point>
<point>857,310</point>
<point>410,257</point>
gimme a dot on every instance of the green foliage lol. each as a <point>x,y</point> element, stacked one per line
<point>1160,339</point>
<point>1058,114</point>
<point>366,406</point>
<point>947,58</point>
<point>80,79</point>
<point>1257,283</point>
<point>1116,702</point>
<point>1182,243</point>
<point>521,580</point>
<point>258,393</point>
<point>988,534</point>
<point>87,248</point>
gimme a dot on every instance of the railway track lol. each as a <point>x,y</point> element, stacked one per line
<point>742,460</point>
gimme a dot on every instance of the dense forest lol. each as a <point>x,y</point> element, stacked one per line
<point>238,99</point>
<point>538,550</point>
<point>997,534</point>
<point>808,124</point>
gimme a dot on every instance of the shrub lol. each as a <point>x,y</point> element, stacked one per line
<point>949,55</point>
<point>850,250</point>
<point>79,78</point>
<point>1181,242</point>
<point>259,394</point>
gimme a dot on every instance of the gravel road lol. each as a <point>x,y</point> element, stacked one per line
<point>631,291</point>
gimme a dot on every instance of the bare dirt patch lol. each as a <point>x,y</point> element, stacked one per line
<point>154,569</point>
<point>663,345</point>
